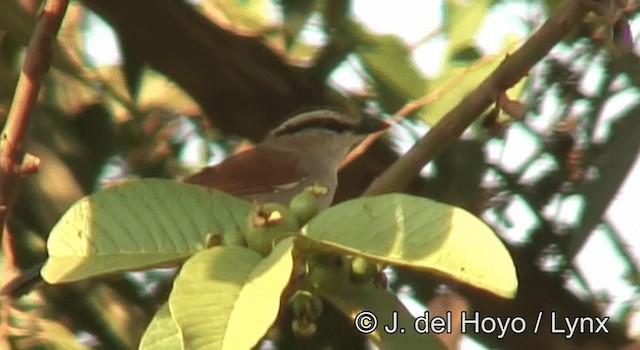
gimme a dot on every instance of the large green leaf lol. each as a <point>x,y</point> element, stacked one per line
<point>162,333</point>
<point>228,297</point>
<point>136,225</point>
<point>419,233</point>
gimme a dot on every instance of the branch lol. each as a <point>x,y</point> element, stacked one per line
<point>453,124</point>
<point>243,86</point>
<point>14,164</point>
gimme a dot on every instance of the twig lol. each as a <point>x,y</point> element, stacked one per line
<point>451,126</point>
<point>412,106</point>
<point>432,34</point>
<point>14,164</point>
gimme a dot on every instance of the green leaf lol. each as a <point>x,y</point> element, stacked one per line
<point>58,336</point>
<point>228,297</point>
<point>389,63</point>
<point>72,94</point>
<point>137,225</point>
<point>296,14</point>
<point>352,300</point>
<point>162,332</point>
<point>115,95</point>
<point>465,56</point>
<point>156,91</point>
<point>243,16</point>
<point>463,18</point>
<point>457,80</point>
<point>418,233</point>
<point>453,85</point>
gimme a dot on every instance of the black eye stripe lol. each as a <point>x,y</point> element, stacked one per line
<point>320,123</point>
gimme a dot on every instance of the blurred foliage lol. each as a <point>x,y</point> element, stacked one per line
<point>236,68</point>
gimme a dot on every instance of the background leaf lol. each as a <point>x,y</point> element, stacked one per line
<point>156,91</point>
<point>242,15</point>
<point>296,14</point>
<point>460,77</point>
<point>389,63</point>
<point>463,18</point>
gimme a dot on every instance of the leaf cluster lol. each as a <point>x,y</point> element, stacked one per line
<point>227,296</point>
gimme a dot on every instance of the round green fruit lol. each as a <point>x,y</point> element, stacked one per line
<point>362,270</point>
<point>304,206</point>
<point>269,222</point>
<point>234,238</point>
<point>328,271</point>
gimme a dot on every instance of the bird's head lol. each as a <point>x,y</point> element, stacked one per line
<point>324,132</point>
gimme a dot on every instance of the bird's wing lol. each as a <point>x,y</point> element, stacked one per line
<point>256,170</point>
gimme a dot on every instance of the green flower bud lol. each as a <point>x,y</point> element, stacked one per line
<point>306,305</point>
<point>304,328</point>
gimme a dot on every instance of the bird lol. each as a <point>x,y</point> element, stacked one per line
<point>305,150</point>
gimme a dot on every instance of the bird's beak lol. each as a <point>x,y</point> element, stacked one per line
<point>370,125</point>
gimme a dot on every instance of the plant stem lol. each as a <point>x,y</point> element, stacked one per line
<point>14,164</point>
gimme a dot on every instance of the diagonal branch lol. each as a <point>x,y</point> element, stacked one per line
<point>453,124</point>
<point>14,164</point>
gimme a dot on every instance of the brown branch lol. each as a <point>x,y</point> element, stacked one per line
<point>411,107</point>
<point>451,126</point>
<point>243,86</point>
<point>13,162</point>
